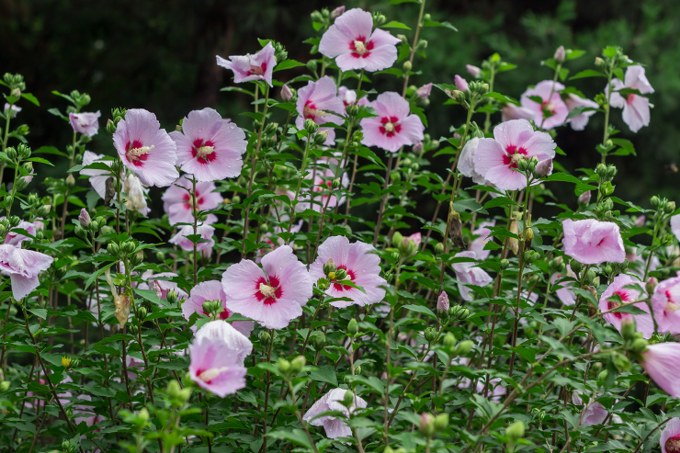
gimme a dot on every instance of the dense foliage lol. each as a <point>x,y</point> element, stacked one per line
<point>295,294</point>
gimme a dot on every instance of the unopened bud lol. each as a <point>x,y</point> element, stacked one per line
<point>84,218</point>
<point>298,363</point>
<point>441,422</point>
<point>337,12</point>
<point>515,430</point>
<point>449,341</point>
<point>560,54</point>
<point>286,93</point>
<point>430,334</point>
<point>352,327</point>
<point>473,70</point>
<point>584,198</point>
<point>464,347</point>
<point>348,399</point>
<point>70,180</point>
<point>407,65</point>
<point>461,83</point>
<point>443,302</point>
<point>283,365</point>
<point>426,424</point>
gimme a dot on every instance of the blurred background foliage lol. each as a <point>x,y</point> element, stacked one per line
<point>161,56</point>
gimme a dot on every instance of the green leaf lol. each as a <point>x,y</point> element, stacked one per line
<point>586,74</point>
<point>39,312</point>
<point>295,436</point>
<point>397,25</point>
<point>288,64</point>
<point>420,309</point>
<point>31,98</point>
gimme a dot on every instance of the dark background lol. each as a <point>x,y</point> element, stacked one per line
<point>160,55</point>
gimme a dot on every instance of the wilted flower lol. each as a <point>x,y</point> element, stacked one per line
<point>145,148</point>
<point>635,107</point>
<point>209,147</point>
<point>550,111</point>
<point>258,66</point>
<point>666,305</point>
<point>207,291</point>
<point>135,199</point>
<point>359,264</point>
<point>178,201</point>
<point>394,126</point>
<point>354,44</point>
<point>564,286</point>
<point>23,267</point>
<point>593,414</point>
<point>497,159</point>
<point>11,110</point>
<point>590,241</point>
<point>161,284</point>
<point>86,123</point>
<point>623,290</point>
<point>274,294</point>
<point>217,354</point>
<point>319,101</point>
<point>333,401</point>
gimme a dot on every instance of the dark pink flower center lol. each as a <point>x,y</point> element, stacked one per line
<point>324,184</point>
<point>268,291</point>
<point>188,200</point>
<point>310,112</point>
<point>224,314</point>
<point>136,153</point>
<point>360,48</point>
<point>673,444</point>
<point>513,154</point>
<point>611,304</point>
<point>547,109</point>
<point>257,70</point>
<point>203,151</point>
<point>350,276</point>
<point>630,98</point>
<point>389,125</point>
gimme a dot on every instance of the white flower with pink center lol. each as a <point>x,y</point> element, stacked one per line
<point>545,101</point>
<point>666,305</point>
<point>208,291</point>
<point>354,44</point>
<point>319,101</point>
<point>323,194</point>
<point>274,294</point>
<point>217,354</point>
<point>209,147</point>
<point>394,126</point>
<point>178,202</point>
<point>624,290</point>
<point>146,149</point>
<point>249,67</point>
<point>360,264</point>
<point>635,106</point>
<point>496,159</point>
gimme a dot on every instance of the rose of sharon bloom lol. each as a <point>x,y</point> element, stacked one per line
<point>394,126</point>
<point>515,112</point>
<point>635,107</point>
<point>496,158</point>
<point>322,194</point>
<point>145,148</point>
<point>662,362</point>
<point>178,202</point>
<point>593,414</point>
<point>15,238</point>
<point>675,226</point>
<point>86,123</point>
<point>590,241</point>
<point>23,267</point>
<point>670,437</point>
<point>274,294</point>
<point>204,230</point>
<point>361,265</point>
<point>466,162</point>
<point>666,305</point>
<point>580,119</point>
<point>96,176</point>
<point>468,273</point>
<point>625,289</point>
<point>319,101</point>
<point>135,195</point>
<point>217,354</point>
<point>161,284</point>
<point>211,290</point>
<point>564,285</point>
<point>209,147</point>
<point>483,233</point>
<point>354,44</point>
<point>249,67</point>
<point>349,97</point>
<point>551,111</point>
<point>332,401</point>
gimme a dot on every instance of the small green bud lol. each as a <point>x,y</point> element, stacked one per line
<point>449,341</point>
<point>352,327</point>
<point>441,422</point>
<point>348,399</point>
<point>310,126</point>
<point>515,430</point>
<point>329,266</point>
<point>639,346</point>
<point>397,239</point>
<point>505,263</point>
<point>426,424</point>
<point>4,386</point>
<point>620,361</point>
<point>602,377</point>
<point>439,248</point>
<point>407,66</point>
<point>298,363</point>
<point>464,347</point>
<point>283,365</point>
<point>430,334</point>
<point>628,330</point>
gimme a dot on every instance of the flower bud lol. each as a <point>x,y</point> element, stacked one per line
<point>473,70</point>
<point>298,363</point>
<point>66,362</point>
<point>449,341</point>
<point>310,126</point>
<point>461,83</point>
<point>459,312</point>
<point>543,168</point>
<point>70,180</point>
<point>407,65</point>
<point>513,243</point>
<point>560,54</point>
<point>441,422</point>
<point>426,424</point>
<point>620,362</point>
<point>283,365</point>
<point>337,12</point>
<point>397,239</point>
<point>84,218</point>
<point>424,91</point>
<point>628,330</point>
<point>606,188</point>
<point>439,248</point>
<point>430,334</point>
<point>352,327</point>
<point>443,302</point>
<point>584,198</point>
<point>212,308</point>
<point>286,93</point>
<point>515,430</point>
<point>599,61</point>
<point>4,386</point>
<point>650,286</point>
<point>464,347</point>
<point>264,336</point>
<point>348,399</point>
<point>639,346</point>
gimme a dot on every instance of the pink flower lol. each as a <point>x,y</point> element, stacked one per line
<point>394,126</point>
<point>23,267</point>
<point>461,83</point>
<point>319,101</point>
<point>349,97</point>
<point>443,304</point>
<point>593,242</point>
<point>272,295</point>
<point>177,200</point>
<point>670,437</point>
<point>251,67</point>
<point>361,265</point>
<point>217,354</point>
<point>587,108</point>
<point>483,237</point>
<point>97,177</point>
<point>322,194</point>
<point>564,286</point>
<point>666,305</point>
<point>675,226</point>
<point>515,112</point>
<point>466,162</point>
<point>624,290</point>
<point>662,362</point>
<point>473,70</point>
<point>468,273</point>
<point>354,44</point>
<point>209,147</point>
<point>332,401</point>
<point>211,290</point>
<point>86,123</point>
<point>497,159</point>
<point>145,148</point>
<point>16,238</point>
<point>551,111</point>
<point>424,91</point>
<point>161,284</point>
<point>593,414</point>
<point>206,233</point>
<point>635,107</point>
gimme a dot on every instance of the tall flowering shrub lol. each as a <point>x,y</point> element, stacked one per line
<point>326,273</point>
